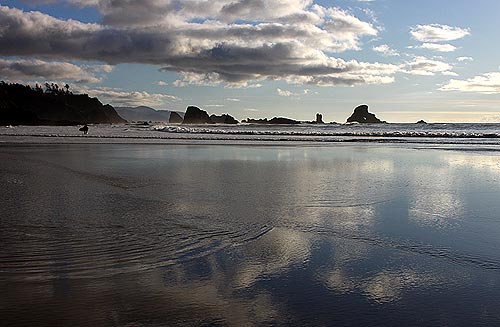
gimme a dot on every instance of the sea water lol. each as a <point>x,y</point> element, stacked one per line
<point>472,133</point>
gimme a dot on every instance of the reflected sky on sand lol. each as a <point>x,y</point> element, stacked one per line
<point>159,235</point>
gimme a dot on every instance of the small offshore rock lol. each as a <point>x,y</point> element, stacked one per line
<point>362,115</point>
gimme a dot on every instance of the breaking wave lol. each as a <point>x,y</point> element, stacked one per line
<point>379,130</point>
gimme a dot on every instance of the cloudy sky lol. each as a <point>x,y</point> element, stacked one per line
<point>408,60</point>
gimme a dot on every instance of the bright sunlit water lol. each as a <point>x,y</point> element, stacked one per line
<point>208,235</point>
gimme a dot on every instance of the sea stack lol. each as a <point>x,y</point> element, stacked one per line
<point>175,118</point>
<point>361,115</point>
<point>223,119</point>
<point>195,115</point>
<point>319,119</point>
<point>283,121</point>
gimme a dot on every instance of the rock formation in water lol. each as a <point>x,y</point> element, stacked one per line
<point>23,104</point>
<point>283,121</point>
<point>361,115</point>
<point>174,118</point>
<point>421,121</point>
<point>256,121</point>
<point>195,115</point>
<point>223,119</point>
<point>143,113</point>
<point>318,120</point>
<point>274,120</point>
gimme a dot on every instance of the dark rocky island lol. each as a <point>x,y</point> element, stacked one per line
<point>283,121</point>
<point>26,105</point>
<point>143,113</point>
<point>195,115</point>
<point>275,120</point>
<point>255,121</point>
<point>362,115</point>
<point>175,118</point>
<point>223,119</point>
<point>421,122</point>
<point>319,120</point>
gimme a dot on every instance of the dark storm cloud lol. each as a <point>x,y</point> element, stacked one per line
<point>214,49</point>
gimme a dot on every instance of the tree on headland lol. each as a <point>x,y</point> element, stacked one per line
<point>38,88</point>
<point>32,105</point>
<point>54,89</point>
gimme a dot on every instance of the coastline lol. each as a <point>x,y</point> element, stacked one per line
<point>453,136</point>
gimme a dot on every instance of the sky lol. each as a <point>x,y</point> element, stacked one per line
<point>408,60</point>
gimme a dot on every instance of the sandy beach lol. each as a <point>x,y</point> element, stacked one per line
<point>242,234</point>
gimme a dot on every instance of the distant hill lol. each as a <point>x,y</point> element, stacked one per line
<point>26,105</point>
<point>143,113</point>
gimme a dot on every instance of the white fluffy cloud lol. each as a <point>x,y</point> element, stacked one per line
<point>446,47</point>
<point>118,97</point>
<point>32,69</point>
<point>285,93</point>
<point>438,33</point>
<point>232,42</point>
<point>488,83</point>
<point>428,67</point>
<point>385,50</point>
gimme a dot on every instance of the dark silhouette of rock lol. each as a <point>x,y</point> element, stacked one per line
<point>421,122</point>
<point>143,113</point>
<point>256,121</point>
<point>195,115</point>
<point>318,120</point>
<point>109,112</point>
<point>283,121</point>
<point>175,118</point>
<point>22,104</point>
<point>274,120</point>
<point>361,115</point>
<point>223,119</point>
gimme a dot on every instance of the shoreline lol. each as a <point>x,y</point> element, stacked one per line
<point>214,139</point>
<point>312,136</point>
<point>40,140</point>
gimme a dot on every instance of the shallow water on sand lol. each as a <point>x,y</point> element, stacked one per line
<point>153,235</point>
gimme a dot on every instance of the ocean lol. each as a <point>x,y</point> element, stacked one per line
<point>451,133</point>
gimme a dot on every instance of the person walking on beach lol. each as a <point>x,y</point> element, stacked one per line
<point>85,129</point>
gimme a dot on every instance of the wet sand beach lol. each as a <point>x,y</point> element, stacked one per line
<point>248,234</point>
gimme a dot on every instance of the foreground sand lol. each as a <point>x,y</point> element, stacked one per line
<point>200,234</point>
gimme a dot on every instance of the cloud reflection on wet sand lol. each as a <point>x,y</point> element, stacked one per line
<point>284,235</point>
